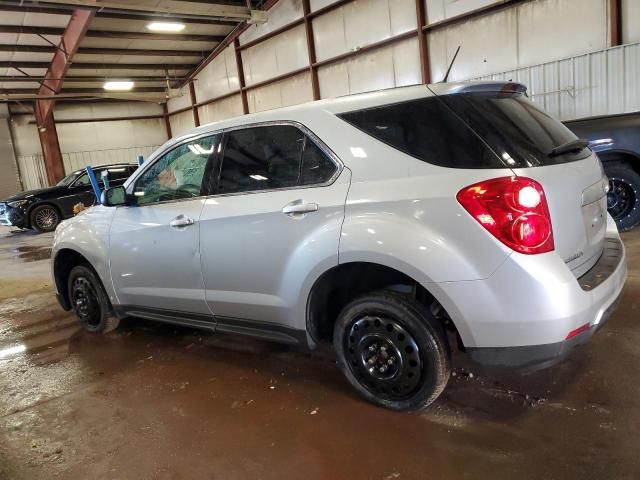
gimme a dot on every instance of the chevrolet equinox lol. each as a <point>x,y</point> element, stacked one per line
<point>379,221</point>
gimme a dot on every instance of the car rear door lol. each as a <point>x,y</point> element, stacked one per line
<point>274,221</point>
<point>154,243</point>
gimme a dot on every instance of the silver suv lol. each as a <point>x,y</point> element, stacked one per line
<point>387,222</point>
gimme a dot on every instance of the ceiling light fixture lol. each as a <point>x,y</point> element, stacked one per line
<point>118,85</point>
<point>171,27</point>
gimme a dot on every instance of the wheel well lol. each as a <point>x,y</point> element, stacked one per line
<point>627,158</point>
<point>338,286</point>
<point>65,260</point>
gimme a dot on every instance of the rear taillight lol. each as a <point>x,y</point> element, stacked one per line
<point>514,210</point>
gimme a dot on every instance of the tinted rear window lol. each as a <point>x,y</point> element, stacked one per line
<point>475,130</point>
<point>427,130</point>
<point>517,130</point>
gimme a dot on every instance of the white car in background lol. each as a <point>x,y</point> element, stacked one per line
<point>378,221</point>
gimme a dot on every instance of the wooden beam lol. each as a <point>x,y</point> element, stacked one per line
<point>62,58</point>
<point>104,119</point>
<point>421,18</point>
<point>194,104</point>
<point>243,92</point>
<point>141,52</point>
<point>86,79</point>
<point>33,30</point>
<point>311,49</point>
<point>615,23</point>
<point>104,66</point>
<point>58,10</point>
<point>107,51</point>
<point>171,10</point>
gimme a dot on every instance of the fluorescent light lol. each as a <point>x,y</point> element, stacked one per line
<point>118,85</point>
<point>165,26</point>
<point>258,177</point>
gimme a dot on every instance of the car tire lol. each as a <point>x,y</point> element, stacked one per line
<point>45,218</point>
<point>392,350</point>
<point>623,199</point>
<point>90,301</point>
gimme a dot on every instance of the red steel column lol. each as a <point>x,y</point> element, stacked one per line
<point>194,104</point>
<point>62,58</point>
<point>311,48</point>
<point>615,19</point>
<point>167,123</point>
<point>243,91</point>
<point>421,18</point>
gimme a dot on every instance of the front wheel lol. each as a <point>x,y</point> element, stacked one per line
<point>90,301</point>
<point>623,199</point>
<point>45,218</point>
<point>392,350</point>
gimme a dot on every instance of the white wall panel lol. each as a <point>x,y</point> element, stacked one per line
<point>392,66</point>
<point>9,178</point>
<point>488,44</point>
<point>630,21</point>
<point>291,91</point>
<point>598,83</point>
<point>226,108</point>
<point>25,136</point>
<point>95,136</point>
<point>218,78</point>
<point>106,110</point>
<point>361,23</point>
<point>282,13</point>
<point>77,160</point>
<point>318,4</point>
<point>179,101</point>
<point>181,122</point>
<point>438,10</point>
<point>278,55</point>
<point>554,29</point>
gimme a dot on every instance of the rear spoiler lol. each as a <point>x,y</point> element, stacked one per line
<point>479,87</point>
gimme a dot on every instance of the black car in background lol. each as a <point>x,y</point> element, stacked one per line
<point>616,140</point>
<point>43,209</point>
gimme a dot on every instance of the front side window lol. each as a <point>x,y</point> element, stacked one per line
<point>179,174</point>
<point>270,157</point>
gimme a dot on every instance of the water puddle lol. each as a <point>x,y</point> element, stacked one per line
<point>32,253</point>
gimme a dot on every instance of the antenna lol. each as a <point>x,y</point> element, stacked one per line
<point>446,76</point>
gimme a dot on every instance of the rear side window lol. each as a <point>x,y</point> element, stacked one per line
<point>271,157</point>
<point>427,130</point>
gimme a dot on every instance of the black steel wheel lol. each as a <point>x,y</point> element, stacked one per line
<point>624,195</point>
<point>89,301</point>
<point>45,218</point>
<point>392,350</point>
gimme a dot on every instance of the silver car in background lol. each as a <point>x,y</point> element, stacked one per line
<point>387,223</point>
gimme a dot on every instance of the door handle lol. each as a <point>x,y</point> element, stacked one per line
<point>298,207</point>
<point>181,221</point>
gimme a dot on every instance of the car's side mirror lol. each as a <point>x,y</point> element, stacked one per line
<point>114,197</point>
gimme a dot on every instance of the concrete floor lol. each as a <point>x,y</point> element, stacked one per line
<point>151,401</point>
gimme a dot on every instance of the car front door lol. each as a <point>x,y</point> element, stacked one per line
<point>154,243</point>
<point>80,191</point>
<point>275,217</point>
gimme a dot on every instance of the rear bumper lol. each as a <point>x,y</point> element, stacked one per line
<point>522,315</point>
<point>537,357</point>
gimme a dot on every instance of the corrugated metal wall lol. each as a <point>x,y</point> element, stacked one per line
<point>598,83</point>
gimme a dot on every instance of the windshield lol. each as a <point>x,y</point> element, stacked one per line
<point>66,181</point>
<point>519,132</point>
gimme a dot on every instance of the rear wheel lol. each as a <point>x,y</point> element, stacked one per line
<point>392,350</point>
<point>45,218</point>
<point>90,301</point>
<point>623,199</point>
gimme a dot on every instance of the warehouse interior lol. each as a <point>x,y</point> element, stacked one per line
<point>154,400</point>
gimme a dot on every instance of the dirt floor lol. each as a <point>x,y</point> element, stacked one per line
<point>151,401</point>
